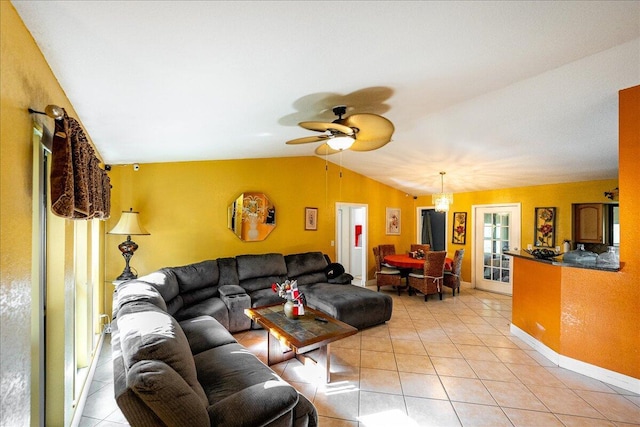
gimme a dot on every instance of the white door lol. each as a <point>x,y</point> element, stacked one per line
<point>351,240</point>
<point>496,229</point>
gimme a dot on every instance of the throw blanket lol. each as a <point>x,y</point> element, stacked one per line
<point>80,189</point>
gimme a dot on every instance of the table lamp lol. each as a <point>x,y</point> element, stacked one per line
<point>129,225</point>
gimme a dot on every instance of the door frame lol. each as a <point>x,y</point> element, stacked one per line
<point>340,206</point>
<point>477,226</point>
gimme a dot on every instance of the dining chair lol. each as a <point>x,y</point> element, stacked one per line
<point>384,251</point>
<point>430,280</point>
<point>452,277</point>
<point>386,276</point>
<point>416,246</point>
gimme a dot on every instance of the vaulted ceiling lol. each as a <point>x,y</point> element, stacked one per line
<point>497,94</point>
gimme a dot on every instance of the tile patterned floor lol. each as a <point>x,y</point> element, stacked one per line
<point>439,363</point>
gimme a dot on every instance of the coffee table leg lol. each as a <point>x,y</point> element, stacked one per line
<point>324,361</point>
<point>276,352</point>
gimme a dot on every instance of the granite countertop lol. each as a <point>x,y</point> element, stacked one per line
<point>558,261</point>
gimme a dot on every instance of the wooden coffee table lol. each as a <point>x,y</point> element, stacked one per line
<point>288,338</point>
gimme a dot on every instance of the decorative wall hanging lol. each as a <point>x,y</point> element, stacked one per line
<point>393,221</point>
<point>459,234</point>
<point>545,227</point>
<point>311,219</point>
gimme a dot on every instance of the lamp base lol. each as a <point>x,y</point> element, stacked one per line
<point>128,247</point>
<point>127,275</point>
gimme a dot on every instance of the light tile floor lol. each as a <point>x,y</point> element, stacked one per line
<point>437,363</point>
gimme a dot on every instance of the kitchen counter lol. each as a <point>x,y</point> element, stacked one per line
<point>557,262</point>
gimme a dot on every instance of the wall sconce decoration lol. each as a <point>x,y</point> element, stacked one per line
<point>612,195</point>
<point>129,225</point>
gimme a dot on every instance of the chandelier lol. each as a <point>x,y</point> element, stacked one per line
<point>442,200</point>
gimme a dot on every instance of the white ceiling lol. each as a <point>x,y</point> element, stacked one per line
<point>497,94</point>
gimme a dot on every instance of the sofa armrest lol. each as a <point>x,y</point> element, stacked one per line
<point>256,405</point>
<point>167,394</point>
<point>228,290</point>
<point>236,300</point>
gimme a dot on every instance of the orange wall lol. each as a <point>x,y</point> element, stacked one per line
<point>536,301</point>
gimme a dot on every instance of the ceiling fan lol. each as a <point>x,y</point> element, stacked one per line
<point>358,132</point>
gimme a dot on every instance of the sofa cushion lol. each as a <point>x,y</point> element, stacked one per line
<point>167,394</point>
<point>165,282</point>
<point>257,283</point>
<point>305,263</point>
<point>200,275</point>
<point>264,297</point>
<point>356,306</point>
<point>213,307</point>
<point>251,266</point>
<point>204,332</point>
<point>225,370</point>
<point>148,333</point>
<point>137,290</point>
<point>228,271</point>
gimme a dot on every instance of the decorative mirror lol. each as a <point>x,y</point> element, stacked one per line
<point>252,217</point>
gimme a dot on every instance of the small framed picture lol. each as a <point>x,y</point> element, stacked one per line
<point>459,234</point>
<point>311,219</point>
<point>545,228</point>
<point>393,221</point>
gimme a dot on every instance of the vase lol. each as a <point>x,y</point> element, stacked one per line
<point>289,310</point>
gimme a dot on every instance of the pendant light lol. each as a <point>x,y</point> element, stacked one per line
<point>442,200</point>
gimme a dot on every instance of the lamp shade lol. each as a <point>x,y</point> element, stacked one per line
<point>129,224</point>
<point>341,142</point>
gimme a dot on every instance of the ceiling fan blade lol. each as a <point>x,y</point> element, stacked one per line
<point>371,128</point>
<point>369,145</point>
<point>307,139</point>
<point>325,149</point>
<point>327,126</point>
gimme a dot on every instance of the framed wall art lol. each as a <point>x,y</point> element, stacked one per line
<point>545,227</point>
<point>311,219</point>
<point>393,221</point>
<point>459,233</point>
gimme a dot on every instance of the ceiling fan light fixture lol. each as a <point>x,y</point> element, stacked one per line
<point>442,200</point>
<point>341,142</point>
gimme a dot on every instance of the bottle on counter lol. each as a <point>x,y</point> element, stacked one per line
<point>609,258</point>
<point>580,256</point>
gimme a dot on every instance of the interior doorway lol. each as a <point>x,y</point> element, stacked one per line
<point>432,228</point>
<point>351,240</point>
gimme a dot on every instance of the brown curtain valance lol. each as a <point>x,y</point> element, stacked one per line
<point>80,189</point>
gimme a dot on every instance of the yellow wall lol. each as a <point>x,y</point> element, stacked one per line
<point>559,195</point>
<point>27,81</point>
<point>184,207</point>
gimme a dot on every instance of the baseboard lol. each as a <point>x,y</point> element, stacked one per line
<point>82,400</point>
<point>605,375</point>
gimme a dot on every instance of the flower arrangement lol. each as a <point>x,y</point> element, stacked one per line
<point>289,291</point>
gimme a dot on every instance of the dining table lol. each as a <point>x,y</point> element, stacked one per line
<point>404,261</point>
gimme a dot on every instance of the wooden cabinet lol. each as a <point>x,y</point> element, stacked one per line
<point>588,223</point>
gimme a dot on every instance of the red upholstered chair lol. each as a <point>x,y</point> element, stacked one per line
<point>452,278</point>
<point>430,280</point>
<point>386,276</point>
